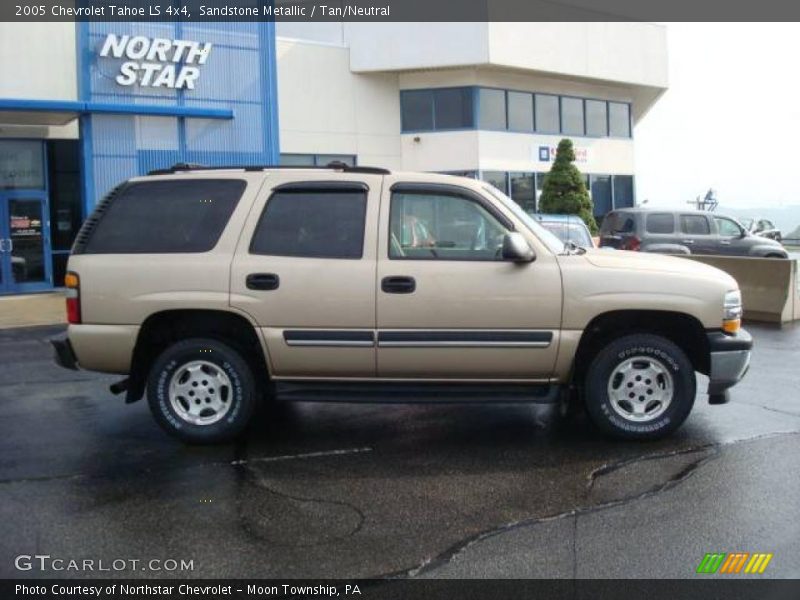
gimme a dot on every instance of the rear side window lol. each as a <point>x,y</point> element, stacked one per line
<point>182,215</point>
<point>313,224</point>
<point>695,225</point>
<point>660,223</point>
<point>618,222</point>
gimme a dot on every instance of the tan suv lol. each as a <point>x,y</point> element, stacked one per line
<point>212,289</point>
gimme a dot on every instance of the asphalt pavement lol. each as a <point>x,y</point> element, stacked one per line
<point>406,491</point>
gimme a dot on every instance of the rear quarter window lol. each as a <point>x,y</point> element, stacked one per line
<point>182,215</point>
<point>660,223</point>
<point>618,222</point>
<point>312,224</point>
<point>695,225</point>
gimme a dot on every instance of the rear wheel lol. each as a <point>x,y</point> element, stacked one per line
<point>640,387</point>
<point>202,391</point>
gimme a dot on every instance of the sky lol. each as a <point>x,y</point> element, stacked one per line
<point>730,119</point>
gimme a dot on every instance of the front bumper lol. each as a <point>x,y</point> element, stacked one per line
<point>730,360</point>
<point>65,355</point>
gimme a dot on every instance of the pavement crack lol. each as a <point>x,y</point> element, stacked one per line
<point>304,455</point>
<point>575,548</point>
<point>454,551</point>
<point>778,410</point>
<point>41,479</point>
<point>610,467</point>
<point>247,511</point>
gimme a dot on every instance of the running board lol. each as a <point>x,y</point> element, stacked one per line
<point>416,393</point>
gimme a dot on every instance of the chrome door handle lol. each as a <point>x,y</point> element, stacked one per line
<point>3,246</point>
<point>688,241</point>
<point>725,242</point>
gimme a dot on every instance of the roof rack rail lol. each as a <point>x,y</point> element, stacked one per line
<point>335,165</point>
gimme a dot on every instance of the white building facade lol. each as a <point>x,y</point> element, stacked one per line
<point>487,100</point>
<point>80,112</point>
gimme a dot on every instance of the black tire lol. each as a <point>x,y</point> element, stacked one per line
<point>238,399</point>
<point>666,355</point>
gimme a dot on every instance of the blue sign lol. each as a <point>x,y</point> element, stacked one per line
<point>197,72</point>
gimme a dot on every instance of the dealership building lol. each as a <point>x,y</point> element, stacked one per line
<point>85,106</point>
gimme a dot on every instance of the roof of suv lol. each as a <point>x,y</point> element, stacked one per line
<point>335,169</point>
<point>333,166</point>
<point>643,209</point>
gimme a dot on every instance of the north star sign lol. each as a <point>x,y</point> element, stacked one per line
<point>156,62</point>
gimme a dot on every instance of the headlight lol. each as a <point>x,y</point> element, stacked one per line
<point>732,312</point>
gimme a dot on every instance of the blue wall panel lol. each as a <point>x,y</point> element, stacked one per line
<point>240,75</point>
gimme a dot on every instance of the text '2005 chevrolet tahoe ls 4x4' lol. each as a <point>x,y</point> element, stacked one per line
<point>212,289</point>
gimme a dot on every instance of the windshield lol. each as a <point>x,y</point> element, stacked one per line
<point>547,238</point>
<point>569,232</point>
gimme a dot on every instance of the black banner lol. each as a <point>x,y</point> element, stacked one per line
<point>398,10</point>
<point>405,589</point>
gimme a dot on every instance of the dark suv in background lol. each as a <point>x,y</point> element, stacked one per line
<point>683,232</point>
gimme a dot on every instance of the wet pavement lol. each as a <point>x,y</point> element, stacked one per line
<point>374,491</point>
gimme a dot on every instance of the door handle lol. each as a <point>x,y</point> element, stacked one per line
<point>725,242</point>
<point>688,241</point>
<point>398,284</point>
<point>262,281</point>
<point>2,245</point>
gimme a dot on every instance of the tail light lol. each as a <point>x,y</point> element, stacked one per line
<point>632,242</point>
<point>72,283</point>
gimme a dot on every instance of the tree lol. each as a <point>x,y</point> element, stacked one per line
<point>564,191</point>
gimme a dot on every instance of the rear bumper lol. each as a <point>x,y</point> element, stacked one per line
<point>730,360</point>
<point>64,354</point>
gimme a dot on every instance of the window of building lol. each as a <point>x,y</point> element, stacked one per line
<point>297,160</point>
<point>64,185</point>
<point>601,193</point>
<point>520,111</point>
<point>571,116</point>
<point>623,191</point>
<point>166,216</point>
<point>540,180</point>
<point>416,110</point>
<point>326,159</point>
<point>492,109</point>
<point>21,164</point>
<point>695,225</point>
<point>452,108</point>
<point>727,227</point>
<point>470,174</point>
<point>523,190</point>
<point>313,224</point>
<point>442,227</point>
<point>315,160</point>
<point>660,223</point>
<point>547,120</point>
<point>596,118</point>
<point>498,179</point>
<point>619,119</point>
<point>500,110</point>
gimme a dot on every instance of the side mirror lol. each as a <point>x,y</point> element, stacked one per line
<point>516,248</point>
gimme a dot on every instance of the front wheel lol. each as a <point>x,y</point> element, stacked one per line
<point>640,387</point>
<point>201,391</point>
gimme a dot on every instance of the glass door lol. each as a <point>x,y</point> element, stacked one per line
<point>24,242</point>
